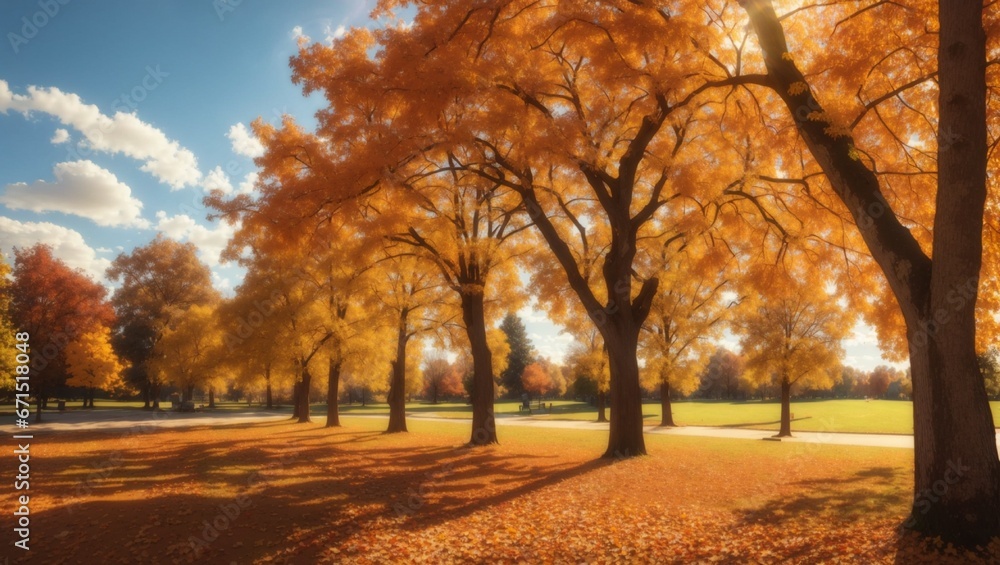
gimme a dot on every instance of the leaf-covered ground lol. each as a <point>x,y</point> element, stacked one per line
<point>288,493</point>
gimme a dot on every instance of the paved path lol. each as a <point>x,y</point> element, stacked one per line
<point>120,421</point>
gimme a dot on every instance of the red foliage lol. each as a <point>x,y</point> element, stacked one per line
<point>55,305</point>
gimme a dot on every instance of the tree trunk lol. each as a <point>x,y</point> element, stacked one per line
<point>484,429</point>
<point>145,395</point>
<point>957,472</point>
<point>188,393</point>
<point>667,420</point>
<point>305,387</point>
<point>397,387</point>
<point>333,395</point>
<point>601,405</point>
<point>267,379</point>
<point>955,440</point>
<point>39,403</point>
<point>435,389</point>
<point>296,403</point>
<point>786,409</point>
<point>211,397</point>
<point>625,438</point>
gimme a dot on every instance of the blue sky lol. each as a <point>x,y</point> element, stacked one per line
<point>117,116</point>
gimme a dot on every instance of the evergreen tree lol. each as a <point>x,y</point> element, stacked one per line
<point>520,356</point>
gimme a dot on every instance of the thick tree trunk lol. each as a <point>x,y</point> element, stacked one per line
<point>296,405</point>
<point>435,394</point>
<point>188,393</point>
<point>786,409</point>
<point>155,391</point>
<point>333,395</point>
<point>267,380</point>
<point>625,438</point>
<point>211,397</point>
<point>305,387</point>
<point>602,403</point>
<point>667,420</point>
<point>397,387</point>
<point>957,472</point>
<point>145,396</point>
<point>956,488</point>
<point>484,429</point>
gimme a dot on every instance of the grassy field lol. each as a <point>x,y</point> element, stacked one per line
<point>855,416</point>
<point>279,492</point>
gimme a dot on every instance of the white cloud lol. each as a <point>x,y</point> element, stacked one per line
<point>297,34</point>
<point>217,179</point>
<point>122,133</point>
<point>61,136</point>
<point>210,241</point>
<point>103,250</point>
<point>83,189</point>
<point>551,345</point>
<point>67,244</point>
<point>243,142</point>
<point>221,283</point>
<point>249,183</point>
<point>334,34</point>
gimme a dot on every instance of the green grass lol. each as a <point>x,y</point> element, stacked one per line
<point>857,416</point>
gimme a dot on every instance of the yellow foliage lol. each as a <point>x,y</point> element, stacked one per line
<point>92,363</point>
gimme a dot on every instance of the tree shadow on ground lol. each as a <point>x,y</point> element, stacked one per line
<point>147,499</point>
<point>847,498</point>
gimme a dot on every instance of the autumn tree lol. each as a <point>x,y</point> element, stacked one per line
<point>408,289</point>
<point>535,379</point>
<point>688,311</point>
<point>55,305</point>
<point>6,327</point>
<point>252,341</point>
<point>156,282</point>
<point>721,376</point>
<point>879,380</point>
<point>521,353</point>
<point>441,379</point>
<point>188,351</point>
<point>299,321</point>
<point>569,108</point>
<point>791,334</point>
<point>989,365</point>
<point>845,384</point>
<point>556,375</point>
<point>93,364</point>
<point>918,207</point>
<point>587,361</point>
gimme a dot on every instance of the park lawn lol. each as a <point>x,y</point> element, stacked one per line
<point>850,415</point>
<point>352,494</point>
<point>842,415</point>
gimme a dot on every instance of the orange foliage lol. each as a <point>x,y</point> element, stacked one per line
<point>536,379</point>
